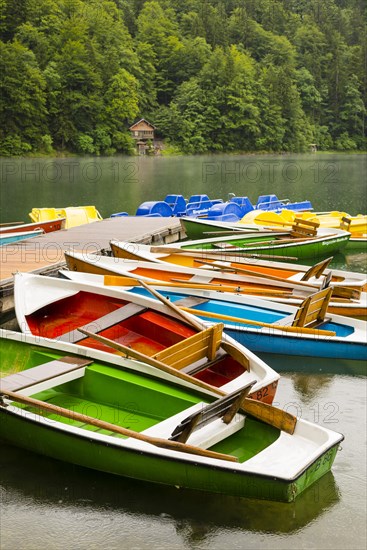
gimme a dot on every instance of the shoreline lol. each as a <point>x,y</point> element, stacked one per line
<point>69,154</point>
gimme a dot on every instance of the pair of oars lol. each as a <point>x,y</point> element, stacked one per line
<point>338,291</point>
<point>171,250</point>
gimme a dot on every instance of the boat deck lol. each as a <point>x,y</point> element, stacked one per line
<point>45,254</point>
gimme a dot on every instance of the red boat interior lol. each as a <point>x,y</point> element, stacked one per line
<point>146,331</point>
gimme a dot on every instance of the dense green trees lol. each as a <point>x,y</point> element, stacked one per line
<point>250,75</point>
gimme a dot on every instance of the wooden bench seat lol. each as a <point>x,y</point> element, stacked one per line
<point>187,352</point>
<point>102,323</point>
<point>225,407</point>
<point>313,309</point>
<point>316,270</point>
<point>304,228</point>
<point>42,373</point>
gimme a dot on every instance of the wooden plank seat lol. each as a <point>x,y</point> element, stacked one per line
<point>327,280</point>
<point>316,270</point>
<point>225,407</point>
<point>338,291</point>
<point>187,352</point>
<point>42,373</point>
<point>312,311</point>
<point>102,323</point>
<point>345,223</point>
<point>304,228</point>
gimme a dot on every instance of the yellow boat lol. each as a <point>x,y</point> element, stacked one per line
<point>74,215</point>
<point>334,219</point>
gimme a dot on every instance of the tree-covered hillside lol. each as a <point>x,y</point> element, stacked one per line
<point>211,75</point>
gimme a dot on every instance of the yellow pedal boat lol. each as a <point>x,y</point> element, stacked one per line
<point>74,215</point>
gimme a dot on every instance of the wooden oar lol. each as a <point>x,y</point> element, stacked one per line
<point>192,321</point>
<point>239,320</point>
<point>255,274</point>
<point>244,289</point>
<point>280,241</point>
<point>244,232</point>
<point>181,311</point>
<point>190,252</point>
<point>343,291</point>
<point>129,352</point>
<point>156,441</point>
<point>262,411</point>
<point>10,224</point>
<point>117,280</point>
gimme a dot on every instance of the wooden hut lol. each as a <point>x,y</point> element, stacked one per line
<point>143,132</point>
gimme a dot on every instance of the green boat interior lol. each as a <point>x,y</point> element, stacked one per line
<point>127,399</point>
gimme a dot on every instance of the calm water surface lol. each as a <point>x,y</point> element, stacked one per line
<point>47,504</point>
<point>115,184</point>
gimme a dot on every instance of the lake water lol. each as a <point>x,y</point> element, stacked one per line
<point>47,504</point>
<point>114,184</point>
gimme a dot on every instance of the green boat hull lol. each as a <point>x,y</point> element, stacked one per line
<point>357,244</point>
<point>304,250</point>
<point>196,230</point>
<point>153,468</point>
<point>137,402</point>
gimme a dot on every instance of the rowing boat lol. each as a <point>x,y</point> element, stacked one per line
<point>201,228</point>
<point>98,415</point>
<point>141,327</point>
<point>13,237</point>
<point>325,242</point>
<point>47,226</point>
<point>73,215</point>
<point>224,279</point>
<point>284,270</point>
<point>260,325</point>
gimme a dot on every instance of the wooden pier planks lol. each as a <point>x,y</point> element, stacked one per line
<point>45,254</point>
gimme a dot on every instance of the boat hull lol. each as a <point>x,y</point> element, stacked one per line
<point>283,344</point>
<point>46,226</point>
<point>357,243</point>
<point>9,238</point>
<point>305,250</point>
<point>151,467</point>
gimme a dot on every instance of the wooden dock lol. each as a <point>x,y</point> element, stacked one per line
<point>45,255</point>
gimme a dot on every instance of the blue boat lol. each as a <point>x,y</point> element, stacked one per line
<point>214,209</point>
<point>349,342</point>
<point>9,238</point>
<point>260,325</point>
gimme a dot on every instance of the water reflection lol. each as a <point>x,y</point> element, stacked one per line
<point>355,261</point>
<point>65,488</point>
<point>314,365</point>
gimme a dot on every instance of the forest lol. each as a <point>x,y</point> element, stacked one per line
<point>211,75</point>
